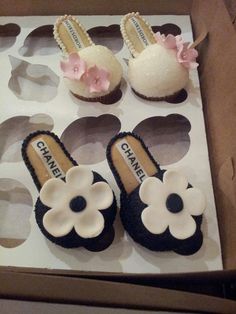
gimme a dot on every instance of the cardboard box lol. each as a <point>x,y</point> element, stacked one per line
<point>175,134</point>
<point>217,76</point>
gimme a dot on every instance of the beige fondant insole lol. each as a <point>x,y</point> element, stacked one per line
<point>127,177</point>
<point>66,38</point>
<point>138,33</point>
<point>55,149</point>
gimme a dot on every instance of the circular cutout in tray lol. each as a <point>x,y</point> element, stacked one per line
<point>32,82</point>
<point>40,42</point>
<point>14,130</point>
<point>86,139</point>
<point>15,210</point>
<point>166,137</point>
<point>8,34</point>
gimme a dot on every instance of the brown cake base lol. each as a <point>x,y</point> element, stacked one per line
<point>177,97</point>
<point>106,99</point>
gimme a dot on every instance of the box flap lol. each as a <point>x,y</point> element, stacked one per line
<point>83,7</point>
<point>218,77</point>
<point>92,292</point>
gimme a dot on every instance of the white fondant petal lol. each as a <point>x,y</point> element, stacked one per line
<point>182,225</point>
<point>57,222</point>
<point>174,181</point>
<point>51,191</point>
<point>79,177</point>
<point>155,219</point>
<point>194,201</point>
<point>90,224</point>
<point>101,196</point>
<point>150,190</point>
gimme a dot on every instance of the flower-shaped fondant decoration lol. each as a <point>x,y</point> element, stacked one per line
<point>75,203</point>
<point>171,204</point>
<point>97,79</point>
<point>74,68</point>
<point>170,41</point>
<point>187,56</point>
<point>184,54</point>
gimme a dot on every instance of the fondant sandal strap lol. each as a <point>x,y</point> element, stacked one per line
<point>130,161</point>
<point>136,32</point>
<point>45,157</point>
<point>201,37</point>
<point>70,35</point>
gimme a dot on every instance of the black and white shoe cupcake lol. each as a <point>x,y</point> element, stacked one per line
<point>76,206</point>
<point>159,208</point>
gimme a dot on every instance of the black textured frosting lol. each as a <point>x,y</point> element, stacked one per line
<point>132,208</point>
<point>72,240</point>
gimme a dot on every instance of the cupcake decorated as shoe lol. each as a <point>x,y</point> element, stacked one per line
<point>76,206</point>
<point>160,66</point>
<point>159,208</point>
<point>91,72</point>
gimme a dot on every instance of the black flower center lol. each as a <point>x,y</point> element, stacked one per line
<point>174,203</point>
<point>77,204</point>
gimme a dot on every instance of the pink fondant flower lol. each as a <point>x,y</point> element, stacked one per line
<point>97,79</point>
<point>179,41</point>
<point>187,56</point>
<point>74,68</point>
<point>169,41</point>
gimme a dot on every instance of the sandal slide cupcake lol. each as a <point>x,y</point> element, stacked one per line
<point>159,69</point>
<point>91,72</point>
<point>76,207</point>
<point>159,208</point>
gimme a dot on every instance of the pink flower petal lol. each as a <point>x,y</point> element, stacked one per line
<point>159,37</point>
<point>191,54</point>
<point>185,55</point>
<point>104,79</point>
<point>90,77</point>
<point>179,53</point>
<point>105,85</point>
<point>64,66</point>
<point>74,68</point>
<point>170,42</point>
<point>97,79</point>
<point>74,58</point>
<point>80,69</point>
<point>179,40</point>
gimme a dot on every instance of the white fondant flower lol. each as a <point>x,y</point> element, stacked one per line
<point>171,204</point>
<point>75,203</point>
